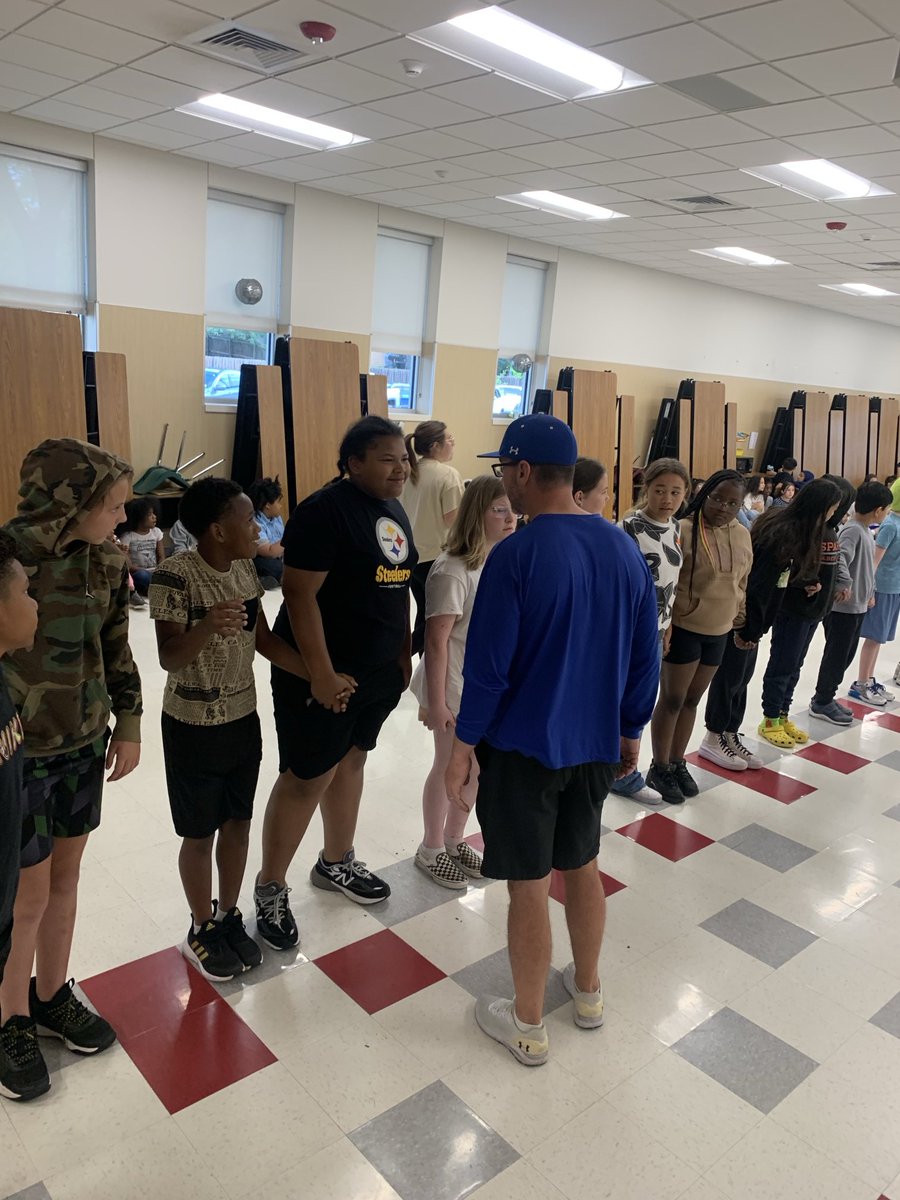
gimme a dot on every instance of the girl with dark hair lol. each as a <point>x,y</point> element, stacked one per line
<point>431,498</point>
<point>265,495</point>
<point>348,559</point>
<point>142,540</point>
<point>590,485</point>
<point>754,502</point>
<point>787,545</point>
<point>709,601</point>
<point>810,594</point>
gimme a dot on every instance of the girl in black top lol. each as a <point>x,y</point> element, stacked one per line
<point>348,560</point>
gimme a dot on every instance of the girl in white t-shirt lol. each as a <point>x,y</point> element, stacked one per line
<point>142,541</point>
<point>484,518</point>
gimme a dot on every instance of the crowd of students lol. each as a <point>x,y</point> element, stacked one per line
<point>397,519</point>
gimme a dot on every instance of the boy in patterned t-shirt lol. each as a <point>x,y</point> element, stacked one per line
<point>209,624</point>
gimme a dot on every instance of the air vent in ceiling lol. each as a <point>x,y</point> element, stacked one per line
<point>717,93</point>
<point>701,204</point>
<point>246,47</point>
<point>888,265</point>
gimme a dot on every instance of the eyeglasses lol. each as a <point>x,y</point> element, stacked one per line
<point>499,468</point>
<point>730,505</point>
<point>502,510</point>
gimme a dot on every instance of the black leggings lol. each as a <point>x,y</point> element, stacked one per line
<point>841,641</point>
<point>727,698</point>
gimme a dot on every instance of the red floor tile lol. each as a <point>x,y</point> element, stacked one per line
<point>379,970</point>
<point>875,716</point>
<point>887,721</point>
<point>185,1039</point>
<point>768,783</point>
<point>830,756</point>
<point>558,885</point>
<point>664,837</point>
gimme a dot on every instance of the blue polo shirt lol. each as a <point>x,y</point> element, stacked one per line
<point>561,656</point>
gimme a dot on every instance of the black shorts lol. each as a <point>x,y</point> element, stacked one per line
<point>62,798</point>
<point>689,647</point>
<point>313,739</point>
<point>534,818</point>
<point>211,772</point>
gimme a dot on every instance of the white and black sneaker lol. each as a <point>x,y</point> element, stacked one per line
<point>350,877</point>
<point>717,748</point>
<point>442,869</point>
<point>207,950</point>
<point>753,761</point>
<point>466,859</point>
<point>275,922</point>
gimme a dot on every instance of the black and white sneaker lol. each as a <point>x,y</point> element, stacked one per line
<point>275,922</point>
<point>716,748</point>
<point>64,1016</point>
<point>685,780</point>
<point>350,877</point>
<point>23,1072</point>
<point>443,870</point>
<point>209,952</point>
<point>238,938</point>
<point>466,859</point>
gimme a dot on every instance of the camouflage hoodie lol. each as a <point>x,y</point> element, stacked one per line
<point>81,667</point>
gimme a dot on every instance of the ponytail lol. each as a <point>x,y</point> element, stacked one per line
<point>421,442</point>
<point>413,461</point>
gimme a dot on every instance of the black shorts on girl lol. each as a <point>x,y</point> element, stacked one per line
<point>62,798</point>
<point>211,772</point>
<point>311,738</point>
<point>689,647</point>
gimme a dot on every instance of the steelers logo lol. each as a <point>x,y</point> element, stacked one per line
<point>392,540</point>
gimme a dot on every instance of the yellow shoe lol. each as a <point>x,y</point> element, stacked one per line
<point>773,731</point>
<point>800,736</point>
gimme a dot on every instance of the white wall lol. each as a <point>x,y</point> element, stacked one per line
<point>614,312</point>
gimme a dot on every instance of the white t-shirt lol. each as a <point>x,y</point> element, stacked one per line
<point>449,591</point>
<point>142,547</point>
<point>438,492</point>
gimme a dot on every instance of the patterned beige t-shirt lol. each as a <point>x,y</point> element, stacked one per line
<point>218,686</point>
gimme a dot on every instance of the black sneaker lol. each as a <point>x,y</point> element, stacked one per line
<point>238,938</point>
<point>64,1016</point>
<point>350,877</point>
<point>685,779</point>
<point>23,1072</point>
<point>210,953</point>
<point>275,922</point>
<point>662,778</point>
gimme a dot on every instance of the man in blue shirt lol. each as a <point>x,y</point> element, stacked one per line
<point>560,678</point>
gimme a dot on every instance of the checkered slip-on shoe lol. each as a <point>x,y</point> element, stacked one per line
<point>443,870</point>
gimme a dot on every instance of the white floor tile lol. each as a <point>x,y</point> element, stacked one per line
<point>664,1004</point>
<point>710,964</point>
<point>339,1172</point>
<point>17,1171</point>
<point>295,1009</point>
<point>435,1025</point>
<point>843,977</point>
<point>807,1020</point>
<point>518,1182</point>
<point>451,936</point>
<point>601,1058</point>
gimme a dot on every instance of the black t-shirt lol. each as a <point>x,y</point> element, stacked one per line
<point>11,758</point>
<point>366,546</point>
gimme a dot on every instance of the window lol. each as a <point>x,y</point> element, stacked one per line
<point>520,334</point>
<point>398,317</point>
<point>244,242</point>
<point>43,233</point>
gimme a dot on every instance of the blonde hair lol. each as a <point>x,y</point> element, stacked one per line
<point>466,539</point>
<point>662,466</point>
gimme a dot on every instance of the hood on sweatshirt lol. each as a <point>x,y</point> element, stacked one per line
<point>848,495</point>
<point>60,480</point>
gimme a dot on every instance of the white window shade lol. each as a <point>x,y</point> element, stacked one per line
<point>42,232</point>
<point>243,242</point>
<point>523,303</point>
<point>401,292</point>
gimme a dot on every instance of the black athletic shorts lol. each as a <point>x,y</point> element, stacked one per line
<point>311,738</point>
<point>534,818</point>
<point>62,798</point>
<point>211,772</point>
<point>689,647</point>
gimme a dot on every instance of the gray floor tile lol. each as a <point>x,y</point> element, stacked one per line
<point>417,1146</point>
<point>891,760</point>
<point>888,1018</point>
<point>758,932</point>
<point>412,892</point>
<point>894,813</point>
<point>37,1191</point>
<point>705,780</point>
<point>492,976</point>
<point>748,1060</point>
<point>769,848</point>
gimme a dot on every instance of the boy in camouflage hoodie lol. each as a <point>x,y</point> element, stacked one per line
<point>80,670</point>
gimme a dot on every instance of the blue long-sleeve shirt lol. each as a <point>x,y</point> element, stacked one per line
<point>561,656</point>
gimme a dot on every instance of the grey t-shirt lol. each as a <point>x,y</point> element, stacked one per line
<point>857,551</point>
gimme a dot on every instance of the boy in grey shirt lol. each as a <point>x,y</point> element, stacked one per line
<point>843,623</point>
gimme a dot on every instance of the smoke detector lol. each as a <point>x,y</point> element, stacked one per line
<point>412,67</point>
<point>318,32</point>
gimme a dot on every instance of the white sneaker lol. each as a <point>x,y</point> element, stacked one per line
<point>717,749</point>
<point>864,691</point>
<point>645,795</point>
<point>897,674</point>
<point>881,690</point>
<point>753,761</point>
<point>495,1017</point>
<point>588,1005</point>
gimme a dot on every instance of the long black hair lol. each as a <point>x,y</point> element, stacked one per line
<point>696,505</point>
<point>793,535</point>
<point>360,437</point>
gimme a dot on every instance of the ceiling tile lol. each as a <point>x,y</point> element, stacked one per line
<point>884,12</point>
<point>129,108</point>
<point>718,182</point>
<point>653,189</point>
<point>767,83</point>
<point>589,23</point>
<point>152,135</point>
<point>425,109</point>
<point>541,178</point>
<point>873,166</point>
<point>676,53</point>
<point>183,66</point>
<point>344,82</point>
<point>787,27</point>
<point>349,185</point>
<point>194,127</point>
<point>287,97</point>
<point>753,154</point>
<point>128,82</point>
<point>85,36</point>
<point>388,178</point>
<point>496,133</point>
<point>494,161</point>
<point>379,154</point>
<point>297,170</point>
<point>610,172</point>
<point>867,139</point>
<point>698,132</point>
<point>55,60</point>
<point>368,122</point>
<point>384,59</point>
<point>446,171</point>
<point>69,115</point>
<point>11,98</point>
<point>440,191</point>
<point>219,152</point>
<point>433,144</point>
<point>492,94</point>
<point>647,106</point>
<point>14,13</point>
<point>846,70</point>
<point>878,104</point>
<point>679,163</point>
<point>267,147</point>
<point>36,83</point>
<point>566,121</point>
<point>801,116</point>
<point>625,143</point>
<point>555,154</point>
<point>164,20</point>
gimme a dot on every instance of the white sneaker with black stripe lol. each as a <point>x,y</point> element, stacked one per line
<point>443,870</point>
<point>717,749</point>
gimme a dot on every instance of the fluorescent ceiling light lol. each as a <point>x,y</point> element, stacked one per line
<point>516,49</point>
<point>858,289</point>
<point>745,258</point>
<point>270,122</point>
<point>818,179</point>
<point>563,206</point>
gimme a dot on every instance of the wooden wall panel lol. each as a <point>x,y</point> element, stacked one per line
<point>709,429</point>
<point>625,455</point>
<point>856,439</point>
<point>113,420</point>
<point>835,443</point>
<point>272,450</point>
<point>888,448</point>
<point>813,449</point>
<point>376,390</point>
<point>325,391</point>
<point>686,435</point>
<point>594,418</point>
<point>730,459</point>
<point>561,405</point>
<point>41,389</point>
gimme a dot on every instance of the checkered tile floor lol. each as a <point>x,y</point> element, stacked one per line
<point>751,1049</point>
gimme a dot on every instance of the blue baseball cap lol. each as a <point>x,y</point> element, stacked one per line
<point>537,438</point>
